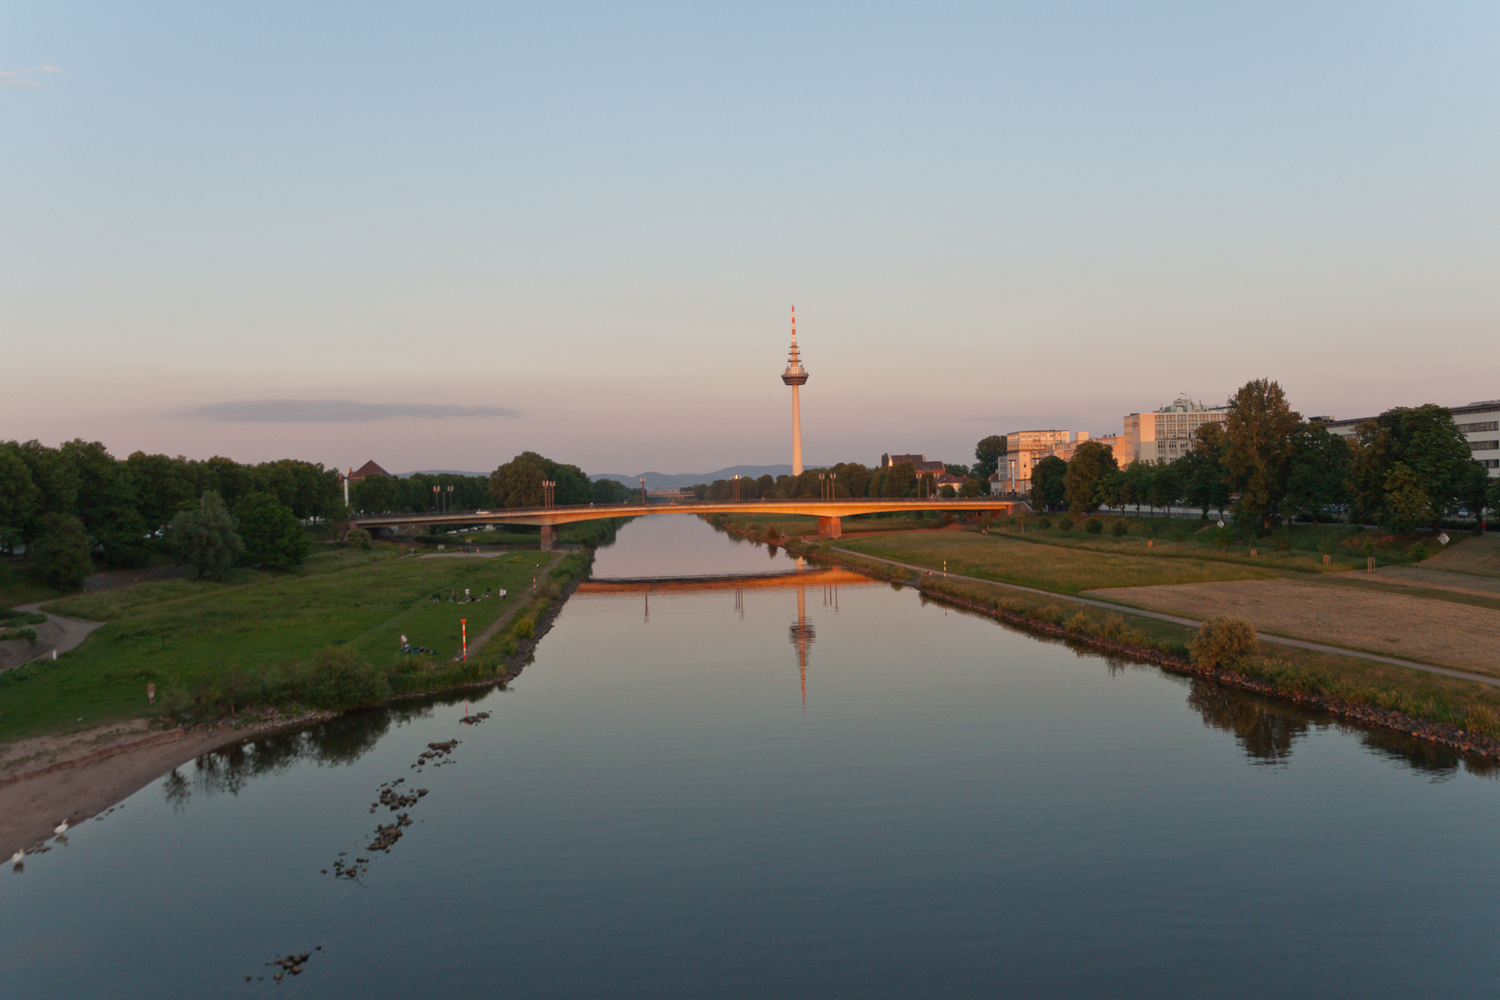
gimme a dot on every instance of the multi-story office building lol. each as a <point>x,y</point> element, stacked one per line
<point>1023,449</point>
<point>1165,434</point>
<point>1479,422</point>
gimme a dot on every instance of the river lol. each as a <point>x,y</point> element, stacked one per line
<point>811,786</point>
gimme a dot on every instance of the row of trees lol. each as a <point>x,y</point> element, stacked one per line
<point>1408,466</point>
<point>123,506</point>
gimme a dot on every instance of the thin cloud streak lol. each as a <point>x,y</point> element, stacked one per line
<point>330,411</point>
<point>9,79</point>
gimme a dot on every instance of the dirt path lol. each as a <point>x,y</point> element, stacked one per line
<point>58,635</point>
<point>505,619</point>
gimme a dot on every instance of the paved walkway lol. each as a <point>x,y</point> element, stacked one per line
<point>73,630</point>
<point>1191,622</point>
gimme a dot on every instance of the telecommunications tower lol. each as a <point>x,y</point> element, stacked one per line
<point>795,376</point>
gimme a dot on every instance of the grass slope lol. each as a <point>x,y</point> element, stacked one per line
<point>178,633</point>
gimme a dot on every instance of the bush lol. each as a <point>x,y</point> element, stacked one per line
<point>359,538</point>
<point>1044,523</point>
<point>1065,523</point>
<point>1093,526</point>
<point>1080,622</point>
<point>1119,529</point>
<point>523,629</point>
<point>340,679</point>
<point>1221,641</point>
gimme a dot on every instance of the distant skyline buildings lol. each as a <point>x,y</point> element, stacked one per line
<point>995,217</point>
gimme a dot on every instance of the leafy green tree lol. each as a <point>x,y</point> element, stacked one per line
<point>162,486</point>
<point>765,485</point>
<point>107,504</point>
<point>19,496</point>
<point>1259,430</point>
<point>1405,501</point>
<point>57,480</point>
<point>987,455</point>
<point>947,491</point>
<point>961,471</point>
<point>62,553</point>
<point>1319,473</point>
<point>853,479</point>
<point>969,489</point>
<point>207,538</point>
<point>272,534</point>
<point>1166,487</point>
<point>1429,444</point>
<point>900,479</point>
<point>1476,491</point>
<point>518,483</point>
<point>609,491</point>
<point>1049,483</point>
<point>1091,462</point>
<point>376,493</point>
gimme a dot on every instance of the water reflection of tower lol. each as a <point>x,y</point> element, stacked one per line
<point>795,376</point>
<point>802,637</point>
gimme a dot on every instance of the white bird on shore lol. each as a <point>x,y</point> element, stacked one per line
<point>16,857</point>
<point>61,828</point>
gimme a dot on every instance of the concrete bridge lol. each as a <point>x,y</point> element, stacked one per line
<point>828,512</point>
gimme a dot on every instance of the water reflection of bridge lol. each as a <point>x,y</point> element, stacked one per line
<point>801,631</point>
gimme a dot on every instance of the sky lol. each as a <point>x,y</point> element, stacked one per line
<point>438,235</point>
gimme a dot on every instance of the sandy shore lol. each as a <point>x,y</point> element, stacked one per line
<point>72,777</point>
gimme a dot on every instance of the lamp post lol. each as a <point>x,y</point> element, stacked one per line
<point>450,497</point>
<point>643,491</point>
<point>436,498</point>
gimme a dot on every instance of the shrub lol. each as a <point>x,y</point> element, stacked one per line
<point>1065,523</point>
<point>1093,526</point>
<point>523,629</point>
<point>1044,523</point>
<point>340,679</point>
<point>1119,529</point>
<point>1221,641</point>
<point>359,538</point>
<point>1080,622</point>
<point>1482,719</point>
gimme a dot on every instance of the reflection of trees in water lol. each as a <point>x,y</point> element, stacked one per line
<point>1266,733</point>
<point>1439,763</point>
<point>341,740</point>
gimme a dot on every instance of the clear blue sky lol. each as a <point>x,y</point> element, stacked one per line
<point>583,226</point>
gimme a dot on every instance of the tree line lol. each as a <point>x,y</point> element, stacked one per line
<point>78,496</point>
<point>1407,467</point>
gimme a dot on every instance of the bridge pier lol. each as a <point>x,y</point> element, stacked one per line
<point>830,527</point>
<point>549,537</point>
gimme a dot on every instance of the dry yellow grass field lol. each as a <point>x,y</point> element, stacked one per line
<point>1471,555</point>
<point>1442,632</point>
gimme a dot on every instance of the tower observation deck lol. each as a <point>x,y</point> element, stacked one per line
<point>795,376</point>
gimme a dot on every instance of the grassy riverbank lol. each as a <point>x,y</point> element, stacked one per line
<point>1073,569</point>
<point>326,635</point>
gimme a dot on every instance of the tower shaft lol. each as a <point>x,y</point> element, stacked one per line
<point>796,434</point>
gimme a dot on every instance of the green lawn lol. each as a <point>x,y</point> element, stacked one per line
<point>180,632</point>
<point>1058,568</point>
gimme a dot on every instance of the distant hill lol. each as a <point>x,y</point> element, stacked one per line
<point>663,481</point>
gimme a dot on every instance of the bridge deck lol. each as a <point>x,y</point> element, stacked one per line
<point>546,516</point>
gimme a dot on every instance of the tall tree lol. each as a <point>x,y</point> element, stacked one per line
<point>1090,463</point>
<point>1319,473</point>
<point>272,534</point>
<point>19,496</point>
<point>1426,441</point>
<point>987,455</point>
<point>62,553</point>
<point>207,538</point>
<point>1259,430</point>
<point>1048,483</point>
<point>900,479</point>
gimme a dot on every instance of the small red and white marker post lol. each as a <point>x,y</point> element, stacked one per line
<point>464,624</point>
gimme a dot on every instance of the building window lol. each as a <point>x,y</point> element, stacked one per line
<point>1484,445</point>
<point>1480,428</point>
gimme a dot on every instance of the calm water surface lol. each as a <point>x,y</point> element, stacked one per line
<point>703,792</point>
